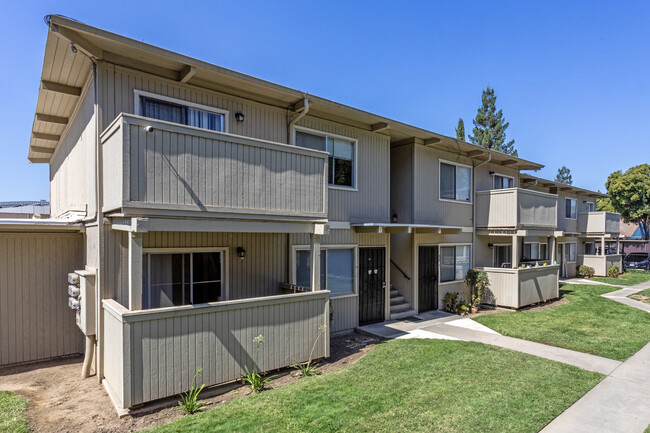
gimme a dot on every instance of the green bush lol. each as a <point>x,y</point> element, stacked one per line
<point>586,271</point>
<point>188,401</point>
<point>613,271</point>
<point>477,281</point>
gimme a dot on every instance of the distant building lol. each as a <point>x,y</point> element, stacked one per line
<point>24,209</point>
<point>633,239</point>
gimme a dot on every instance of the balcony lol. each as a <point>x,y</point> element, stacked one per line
<point>601,263</point>
<point>516,288</point>
<point>516,208</point>
<point>179,169</point>
<point>599,223</point>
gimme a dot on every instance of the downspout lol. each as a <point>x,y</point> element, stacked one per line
<point>99,364</point>
<point>474,207</point>
<point>301,113</point>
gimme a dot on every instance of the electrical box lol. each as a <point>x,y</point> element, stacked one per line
<point>81,289</point>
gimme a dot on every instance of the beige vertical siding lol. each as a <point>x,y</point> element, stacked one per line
<point>401,252</point>
<point>516,288</point>
<point>115,271</point>
<point>599,222</point>
<point>563,223</point>
<point>401,178</point>
<point>514,208</point>
<point>484,180</point>
<point>116,86</point>
<point>163,348</point>
<point>428,209</point>
<point>72,167</point>
<point>371,203</point>
<point>345,313</point>
<point>601,263</point>
<point>35,321</point>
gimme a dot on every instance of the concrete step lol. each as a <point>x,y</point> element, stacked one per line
<point>409,312</point>
<point>398,299</point>
<point>393,292</point>
<point>399,306</point>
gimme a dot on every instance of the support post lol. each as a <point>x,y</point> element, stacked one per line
<point>552,248</point>
<point>135,271</point>
<point>314,261</point>
<point>515,251</point>
<point>602,246</point>
<point>618,246</point>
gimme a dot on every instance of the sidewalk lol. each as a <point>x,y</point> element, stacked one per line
<point>622,296</point>
<point>620,403</point>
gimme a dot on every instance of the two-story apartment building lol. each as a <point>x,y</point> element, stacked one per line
<point>203,207</point>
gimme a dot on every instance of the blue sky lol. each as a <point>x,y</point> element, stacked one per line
<point>572,78</point>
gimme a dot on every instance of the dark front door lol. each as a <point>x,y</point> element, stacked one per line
<point>372,285</point>
<point>427,279</point>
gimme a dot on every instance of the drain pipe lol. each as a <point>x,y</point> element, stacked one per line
<point>474,207</point>
<point>302,112</point>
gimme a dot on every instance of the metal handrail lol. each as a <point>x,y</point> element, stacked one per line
<point>400,269</point>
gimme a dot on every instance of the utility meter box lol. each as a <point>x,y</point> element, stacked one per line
<point>85,312</point>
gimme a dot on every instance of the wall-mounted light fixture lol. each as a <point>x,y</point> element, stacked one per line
<point>491,173</point>
<point>490,245</point>
<point>148,128</point>
<point>239,116</point>
<point>241,253</point>
<point>394,218</point>
<point>73,48</point>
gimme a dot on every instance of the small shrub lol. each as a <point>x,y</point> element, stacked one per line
<point>586,271</point>
<point>450,299</point>
<point>188,402</point>
<point>613,271</point>
<point>253,378</point>
<point>477,281</point>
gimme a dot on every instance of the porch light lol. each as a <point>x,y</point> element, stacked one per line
<point>239,116</point>
<point>394,218</point>
<point>490,245</point>
<point>73,48</point>
<point>241,253</point>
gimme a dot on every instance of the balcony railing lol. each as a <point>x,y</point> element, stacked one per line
<point>599,223</point>
<point>516,288</point>
<point>601,263</point>
<point>153,354</point>
<point>174,167</point>
<point>515,208</point>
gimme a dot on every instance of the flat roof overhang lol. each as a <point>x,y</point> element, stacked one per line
<point>408,228</point>
<point>65,74</point>
<point>39,225</point>
<point>527,179</point>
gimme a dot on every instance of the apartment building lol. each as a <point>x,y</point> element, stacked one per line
<point>198,208</point>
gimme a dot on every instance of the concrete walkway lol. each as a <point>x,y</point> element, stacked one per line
<point>441,325</point>
<point>618,295</point>
<point>620,403</point>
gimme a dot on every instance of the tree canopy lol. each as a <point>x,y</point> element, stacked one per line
<point>564,176</point>
<point>490,126</point>
<point>630,194</point>
<point>460,130</point>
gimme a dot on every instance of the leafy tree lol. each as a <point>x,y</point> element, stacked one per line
<point>460,130</point>
<point>604,205</point>
<point>630,195</point>
<point>564,176</point>
<point>490,126</point>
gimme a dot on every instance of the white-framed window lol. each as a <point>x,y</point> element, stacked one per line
<point>178,111</point>
<point>338,268</point>
<point>503,255</point>
<point>570,208</point>
<point>172,277</point>
<point>342,167</point>
<point>455,182</point>
<point>502,181</point>
<point>570,252</point>
<point>535,251</point>
<point>454,262</point>
<point>591,206</point>
<point>589,248</point>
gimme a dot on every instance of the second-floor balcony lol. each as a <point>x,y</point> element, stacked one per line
<point>516,208</point>
<point>151,166</point>
<point>599,223</point>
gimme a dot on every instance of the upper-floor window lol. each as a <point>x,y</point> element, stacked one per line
<point>500,181</point>
<point>455,182</point>
<point>570,210</point>
<point>178,111</point>
<point>591,206</point>
<point>342,155</point>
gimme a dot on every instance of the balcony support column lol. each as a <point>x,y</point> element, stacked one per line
<point>314,262</point>
<point>618,245</point>
<point>135,270</point>
<point>515,251</point>
<point>602,246</point>
<point>551,248</point>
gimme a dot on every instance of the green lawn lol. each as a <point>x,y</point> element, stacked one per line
<point>643,296</point>
<point>629,278</point>
<point>588,323</point>
<point>12,407</point>
<point>410,385</point>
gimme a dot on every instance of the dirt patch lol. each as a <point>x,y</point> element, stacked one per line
<point>63,402</point>
<point>640,297</point>
<point>485,310</point>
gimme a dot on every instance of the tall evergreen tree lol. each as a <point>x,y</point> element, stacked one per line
<point>564,176</point>
<point>490,126</point>
<point>460,130</point>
